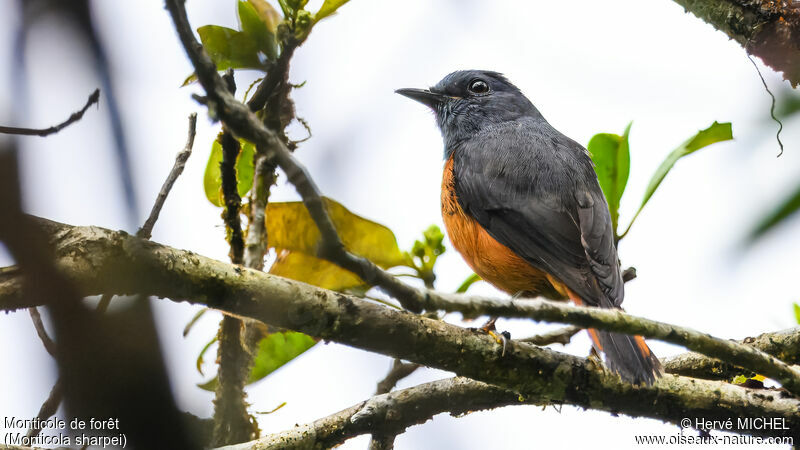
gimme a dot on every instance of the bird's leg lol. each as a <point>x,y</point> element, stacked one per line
<point>500,338</point>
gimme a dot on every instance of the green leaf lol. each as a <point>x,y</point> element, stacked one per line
<point>229,48</point>
<point>472,279</point>
<point>797,313</point>
<point>277,349</point>
<point>257,29</point>
<point>212,178</point>
<point>245,171</point>
<point>212,182</point>
<point>189,80</point>
<point>290,227</point>
<point>612,161</point>
<point>199,362</point>
<point>267,14</point>
<point>274,351</point>
<point>286,9</point>
<point>328,7</point>
<point>717,132</point>
<point>787,208</point>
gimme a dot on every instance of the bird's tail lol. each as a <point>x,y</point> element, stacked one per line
<point>629,356</point>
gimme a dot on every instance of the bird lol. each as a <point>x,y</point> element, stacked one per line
<point>522,204</point>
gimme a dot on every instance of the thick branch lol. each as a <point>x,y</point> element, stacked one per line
<point>767,29</point>
<point>784,345</point>
<point>391,414</point>
<point>616,320</point>
<point>100,260</point>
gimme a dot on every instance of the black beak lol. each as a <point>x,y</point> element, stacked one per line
<point>424,96</point>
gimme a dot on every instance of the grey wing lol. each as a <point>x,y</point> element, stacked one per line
<point>540,202</point>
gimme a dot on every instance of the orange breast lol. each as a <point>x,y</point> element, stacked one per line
<point>491,260</point>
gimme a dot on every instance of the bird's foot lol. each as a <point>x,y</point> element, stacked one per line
<point>501,338</point>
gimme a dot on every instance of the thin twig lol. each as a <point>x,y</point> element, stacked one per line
<point>559,336</point>
<point>398,371</point>
<point>255,247</point>
<point>772,105</point>
<point>177,169</point>
<point>146,230</point>
<point>74,117</point>
<point>49,407</point>
<point>48,343</point>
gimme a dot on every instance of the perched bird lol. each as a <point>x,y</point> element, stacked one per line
<point>522,204</point>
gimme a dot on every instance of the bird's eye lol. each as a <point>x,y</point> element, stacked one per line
<point>478,87</point>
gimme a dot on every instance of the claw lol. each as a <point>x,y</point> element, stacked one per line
<point>500,338</point>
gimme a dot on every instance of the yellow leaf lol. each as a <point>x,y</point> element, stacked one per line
<point>309,269</point>
<point>290,227</point>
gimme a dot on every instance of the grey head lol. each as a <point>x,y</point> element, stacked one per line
<point>468,101</point>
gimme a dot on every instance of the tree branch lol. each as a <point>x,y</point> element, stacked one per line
<point>398,371</point>
<point>784,345</point>
<point>616,320</point>
<point>100,260</point>
<point>42,132</point>
<point>408,407</point>
<point>177,169</point>
<point>559,336</point>
<point>240,120</point>
<point>767,29</point>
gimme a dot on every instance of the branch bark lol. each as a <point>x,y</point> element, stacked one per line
<point>765,28</point>
<point>100,261</point>
<point>391,414</point>
<point>784,345</point>
<point>616,320</point>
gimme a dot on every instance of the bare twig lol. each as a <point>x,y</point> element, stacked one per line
<point>74,117</point>
<point>177,169</point>
<point>49,407</point>
<point>146,231</point>
<point>398,371</point>
<point>48,343</point>
<point>275,76</point>
<point>559,336</point>
<point>772,103</point>
<point>256,243</point>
